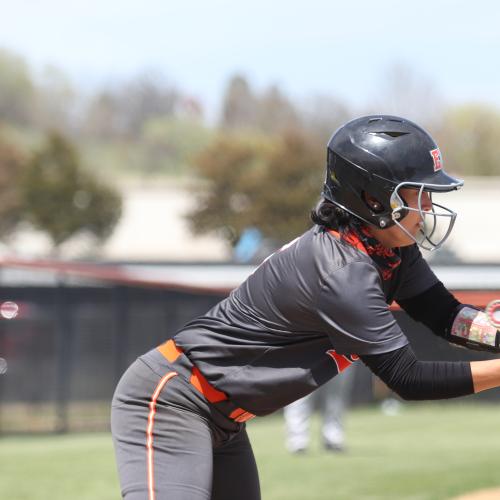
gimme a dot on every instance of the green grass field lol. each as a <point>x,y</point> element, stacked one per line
<point>425,452</point>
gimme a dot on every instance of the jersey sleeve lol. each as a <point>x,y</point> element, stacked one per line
<point>418,276</point>
<point>354,313</point>
<point>418,380</point>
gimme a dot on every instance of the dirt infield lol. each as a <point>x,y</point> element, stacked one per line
<point>490,494</point>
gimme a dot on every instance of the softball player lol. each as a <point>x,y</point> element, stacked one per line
<point>307,313</point>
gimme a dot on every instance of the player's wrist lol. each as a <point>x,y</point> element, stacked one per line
<point>485,374</point>
<point>472,328</point>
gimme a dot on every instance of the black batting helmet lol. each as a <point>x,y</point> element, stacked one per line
<point>378,155</point>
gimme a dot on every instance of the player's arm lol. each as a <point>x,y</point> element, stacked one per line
<point>424,380</point>
<point>413,379</point>
<point>461,324</point>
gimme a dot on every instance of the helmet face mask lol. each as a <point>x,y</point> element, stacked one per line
<point>377,156</point>
<point>436,223</point>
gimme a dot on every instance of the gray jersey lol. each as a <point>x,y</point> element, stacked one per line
<point>278,335</point>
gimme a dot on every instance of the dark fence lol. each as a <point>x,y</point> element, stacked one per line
<point>68,345</point>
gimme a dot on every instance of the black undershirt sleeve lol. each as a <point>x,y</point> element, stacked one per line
<point>412,379</point>
<point>435,308</point>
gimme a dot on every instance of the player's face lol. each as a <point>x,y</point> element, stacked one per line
<point>394,236</point>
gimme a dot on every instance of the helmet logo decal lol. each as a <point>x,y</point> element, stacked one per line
<point>436,158</point>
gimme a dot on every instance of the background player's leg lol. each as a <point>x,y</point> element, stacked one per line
<point>178,464</point>
<point>297,420</point>
<point>336,395</point>
<point>235,471</point>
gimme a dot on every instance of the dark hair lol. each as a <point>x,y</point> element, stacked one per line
<point>330,216</point>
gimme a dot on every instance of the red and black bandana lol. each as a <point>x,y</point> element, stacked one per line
<point>386,259</point>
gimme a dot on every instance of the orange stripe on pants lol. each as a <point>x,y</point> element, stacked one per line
<point>149,432</point>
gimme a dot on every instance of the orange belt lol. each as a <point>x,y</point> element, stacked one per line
<point>171,353</point>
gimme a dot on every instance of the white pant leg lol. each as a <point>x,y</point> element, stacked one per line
<point>334,401</point>
<point>297,419</point>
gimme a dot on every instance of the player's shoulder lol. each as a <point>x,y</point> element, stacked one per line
<point>326,252</point>
<point>331,244</point>
<point>321,248</point>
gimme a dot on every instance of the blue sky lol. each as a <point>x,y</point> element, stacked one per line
<point>314,47</point>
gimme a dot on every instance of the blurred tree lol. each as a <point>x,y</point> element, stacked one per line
<point>270,112</point>
<point>12,163</point>
<point>143,127</point>
<point>469,140</point>
<point>55,101</point>
<point>263,184</point>
<point>230,166</point>
<point>122,112</point>
<point>290,188</point>
<point>168,144</point>
<point>63,200</point>
<point>275,113</point>
<point>146,97</point>
<point>17,91</point>
<point>101,118</point>
<point>239,105</point>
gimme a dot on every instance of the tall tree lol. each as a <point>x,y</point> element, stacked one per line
<point>55,101</point>
<point>168,144</point>
<point>270,111</point>
<point>275,112</point>
<point>147,96</point>
<point>12,163</point>
<point>102,117</point>
<point>61,199</point>
<point>122,111</point>
<point>239,106</point>
<point>268,184</point>
<point>230,171</point>
<point>17,91</point>
<point>290,186</point>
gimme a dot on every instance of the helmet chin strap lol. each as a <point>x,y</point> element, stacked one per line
<point>400,209</point>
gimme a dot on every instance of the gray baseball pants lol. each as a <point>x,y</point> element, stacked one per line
<point>172,444</point>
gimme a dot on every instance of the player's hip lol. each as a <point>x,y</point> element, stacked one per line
<point>151,385</point>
